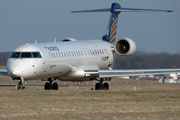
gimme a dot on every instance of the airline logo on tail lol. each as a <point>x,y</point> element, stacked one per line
<point>113,30</point>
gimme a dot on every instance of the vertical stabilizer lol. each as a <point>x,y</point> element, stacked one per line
<point>115,10</point>
<point>110,35</point>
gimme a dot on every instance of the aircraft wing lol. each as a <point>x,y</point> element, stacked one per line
<point>3,72</point>
<point>135,72</point>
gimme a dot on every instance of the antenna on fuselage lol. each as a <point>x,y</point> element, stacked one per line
<point>36,41</point>
<point>55,40</point>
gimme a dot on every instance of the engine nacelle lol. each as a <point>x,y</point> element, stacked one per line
<point>125,47</point>
<point>68,39</point>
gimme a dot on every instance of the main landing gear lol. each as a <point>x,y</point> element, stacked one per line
<point>101,86</point>
<point>49,85</point>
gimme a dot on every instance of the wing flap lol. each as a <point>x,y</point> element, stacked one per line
<point>123,73</point>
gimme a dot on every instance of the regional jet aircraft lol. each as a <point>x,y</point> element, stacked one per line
<point>73,60</point>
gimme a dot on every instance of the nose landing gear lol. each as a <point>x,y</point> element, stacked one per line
<point>21,84</point>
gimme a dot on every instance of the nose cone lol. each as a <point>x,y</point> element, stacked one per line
<point>15,71</point>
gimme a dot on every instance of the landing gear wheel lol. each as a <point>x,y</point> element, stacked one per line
<point>21,84</point>
<point>97,87</point>
<point>106,86</point>
<point>55,86</point>
<point>20,88</point>
<point>47,86</point>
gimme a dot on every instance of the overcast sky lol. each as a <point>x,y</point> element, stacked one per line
<point>24,21</point>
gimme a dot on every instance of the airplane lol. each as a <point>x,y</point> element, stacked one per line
<point>78,60</point>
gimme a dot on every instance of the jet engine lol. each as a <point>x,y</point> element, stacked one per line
<point>68,39</point>
<point>125,47</point>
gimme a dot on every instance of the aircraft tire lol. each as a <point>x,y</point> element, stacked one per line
<point>97,87</point>
<point>55,86</point>
<point>47,86</point>
<point>106,86</point>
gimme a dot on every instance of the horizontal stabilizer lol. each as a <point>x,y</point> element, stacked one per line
<point>122,10</point>
<point>140,10</point>
<point>95,10</point>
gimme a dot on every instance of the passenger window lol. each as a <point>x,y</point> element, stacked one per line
<point>72,53</point>
<point>85,52</point>
<point>15,55</point>
<point>26,55</point>
<point>54,55</point>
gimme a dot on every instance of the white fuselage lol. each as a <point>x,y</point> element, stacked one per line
<point>61,60</point>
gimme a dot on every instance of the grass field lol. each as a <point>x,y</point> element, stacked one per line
<point>148,102</point>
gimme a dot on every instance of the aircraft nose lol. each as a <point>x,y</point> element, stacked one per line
<point>16,71</point>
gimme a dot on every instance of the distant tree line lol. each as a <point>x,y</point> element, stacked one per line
<point>140,60</point>
<point>3,58</point>
<point>144,60</point>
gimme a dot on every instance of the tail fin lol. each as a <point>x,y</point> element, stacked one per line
<point>115,10</point>
<point>110,35</point>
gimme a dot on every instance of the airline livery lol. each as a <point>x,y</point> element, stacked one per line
<point>73,60</point>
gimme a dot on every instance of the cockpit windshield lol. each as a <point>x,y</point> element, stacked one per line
<point>15,55</point>
<point>25,55</point>
<point>36,55</point>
